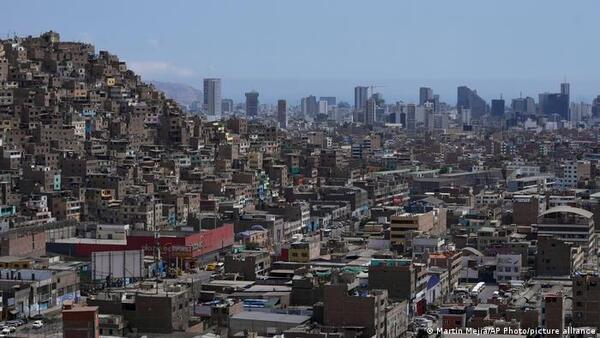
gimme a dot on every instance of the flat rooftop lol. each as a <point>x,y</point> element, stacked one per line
<point>271,317</point>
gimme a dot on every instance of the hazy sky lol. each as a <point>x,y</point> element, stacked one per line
<point>288,49</point>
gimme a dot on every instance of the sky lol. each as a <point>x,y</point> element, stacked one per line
<point>289,49</point>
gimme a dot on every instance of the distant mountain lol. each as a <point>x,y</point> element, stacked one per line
<point>182,93</point>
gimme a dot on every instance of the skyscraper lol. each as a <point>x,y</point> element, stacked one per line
<point>309,105</point>
<point>252,103</point>
<point>371,106</point>
<point>212,96</point>
<point>361,94</point>
<point>227,106</point>
<point>498,108</point>
<point>411,118</point>
<point>565,88</point>
<point>331,100</point>
<point>323,107</point>
<point>282,113</point>
<point>467,98</point>
<point>425,94</point>
<point>428,112</point>
<point>464,115</point>
<point>556,103</point>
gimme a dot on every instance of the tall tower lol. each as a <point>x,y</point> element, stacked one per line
<point>565,88</point>
<point>371,107</point>
<point>425,94</point>
<point>282,113</point>
<point>498,107</point>
<point>212,96</point>
<point>252,103</point>
<point>361,94</point>
<point>411,118</point>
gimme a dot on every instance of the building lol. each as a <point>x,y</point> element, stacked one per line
<point>568,224</point>
<point>398,276</point>
<point>227,105</point>
<point>80,322</point>
<point>451,261</point>
<point>304,251</point>
<point>368,311</point>
<point>556,103</point>
<point>309,106</point>
<point>264,323</point>
<point>331,100</point>
<point>425,95</point>
<point>252,103</point>
<point>411,118</point>
<point>248,263</point>
<point>553,312</point>
<point>152,307</point>
<point>408,225</point>
<point>557,257</point>
<point>282,113</point>
<point>509,267</point>
<point>370,109</point>
<point>212,96</point>
<point>498,108</point>
<point>586,292</point>
<point>468,98</point>
<point>323,107</point>
<point>361,95</point>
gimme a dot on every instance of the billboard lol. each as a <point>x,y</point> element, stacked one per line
<point>118,264</point>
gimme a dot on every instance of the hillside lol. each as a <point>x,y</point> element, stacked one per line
<point>182,93</point>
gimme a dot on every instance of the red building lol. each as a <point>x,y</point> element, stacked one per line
<point>80,321</point>
<point>172,244</point>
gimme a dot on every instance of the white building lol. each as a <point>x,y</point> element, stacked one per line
<point>508,267</point>
<point>212,96</point>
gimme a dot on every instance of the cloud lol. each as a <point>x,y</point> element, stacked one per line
<point>159,68</point>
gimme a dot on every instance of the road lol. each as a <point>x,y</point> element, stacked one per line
<point>487,292</point>
<point>52,328</point>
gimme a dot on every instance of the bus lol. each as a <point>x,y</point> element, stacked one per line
<point>476,290</point>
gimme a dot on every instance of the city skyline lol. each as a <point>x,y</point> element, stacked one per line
<point>401,46</point>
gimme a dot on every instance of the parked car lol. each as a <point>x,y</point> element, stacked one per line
<point>37,324</point>
<point>15,322</point>
<point>5,331</point>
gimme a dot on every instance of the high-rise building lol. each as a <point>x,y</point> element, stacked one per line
<point>370,112</point>
<point>227,106</point>
<point>464,115</point>
<point>436,102</point>
<point>596,106</point>
<point>309,106</point>
<point>331,100</point>
<point>468,98</point>
<point>411,118</point>
<point>282,113</point>
<point>555,104</point>
<point>252,103</point>
<point>323,107</point>
<point>425,95</point>
<point>428,112</point>
<point>523,106</point>
<point>498,107</point>
<point>212,96</point>
<point>565,88</point>
<point>361,95</point>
